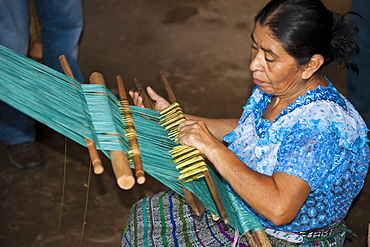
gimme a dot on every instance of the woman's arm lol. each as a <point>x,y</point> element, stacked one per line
<point>278,198</point>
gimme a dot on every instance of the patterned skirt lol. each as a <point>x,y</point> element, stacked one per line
<point>165,219</point>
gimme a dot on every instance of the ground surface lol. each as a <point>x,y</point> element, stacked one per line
<point>203,48</point>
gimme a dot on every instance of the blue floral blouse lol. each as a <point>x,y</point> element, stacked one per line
<point>319,138</point>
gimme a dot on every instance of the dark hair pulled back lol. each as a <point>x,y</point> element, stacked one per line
<point>307,27</point>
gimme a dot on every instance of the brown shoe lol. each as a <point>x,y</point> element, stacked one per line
<point>25,156</point>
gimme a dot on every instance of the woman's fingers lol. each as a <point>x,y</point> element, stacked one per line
<point>138,100</point>
<point>160,102</point>
<point>186,123</point>
<point>153,94</point>
<point>196,134</point>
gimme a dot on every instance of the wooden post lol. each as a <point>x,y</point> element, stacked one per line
<point>139,172</point>
<point>93,152</point>
<point>120,164</point>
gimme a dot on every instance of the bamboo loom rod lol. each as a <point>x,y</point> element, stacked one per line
<point>139,172</point>
<point>119,159</point>
<point>207,175</point>
<point>93,152</point>
<point>193,201</point>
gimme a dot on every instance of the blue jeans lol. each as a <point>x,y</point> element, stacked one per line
<point>359,86</point>
<point>62,23</point>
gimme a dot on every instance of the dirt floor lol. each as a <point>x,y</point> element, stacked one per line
<point>203,47</point>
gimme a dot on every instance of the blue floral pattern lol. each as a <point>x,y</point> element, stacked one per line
<point>320,138</point>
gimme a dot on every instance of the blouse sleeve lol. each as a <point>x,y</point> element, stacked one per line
<point>308,155</point>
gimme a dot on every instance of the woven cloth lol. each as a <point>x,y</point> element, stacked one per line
<point>165,219</point>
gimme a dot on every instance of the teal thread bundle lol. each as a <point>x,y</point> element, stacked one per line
<point>105,116</point>
<point>92,111</point>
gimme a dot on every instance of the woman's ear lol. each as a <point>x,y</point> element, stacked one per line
<point>312,66</point>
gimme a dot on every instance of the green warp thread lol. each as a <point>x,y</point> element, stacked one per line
<point>92,111</point>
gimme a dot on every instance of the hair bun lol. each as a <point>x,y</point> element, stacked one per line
<point>343,46</point>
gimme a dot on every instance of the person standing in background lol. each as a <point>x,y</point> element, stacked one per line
<point>61,26</point>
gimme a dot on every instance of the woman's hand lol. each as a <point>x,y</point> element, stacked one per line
<point>195,134</point>
<point>159,102</point>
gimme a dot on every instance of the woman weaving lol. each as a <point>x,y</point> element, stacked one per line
<point>298,155</point>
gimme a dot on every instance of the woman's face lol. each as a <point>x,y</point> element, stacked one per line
<point>273,69</point>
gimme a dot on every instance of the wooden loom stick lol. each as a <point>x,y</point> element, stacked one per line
<point>193,201</point>
<point>262,238</point>
<point>216,196</point>
<point>120,164</point>
<point>252,239</point>
<point>147,102</point>
<point>170,93</point>
<point>93,152</point>
<point>139,172</point>
<point>207,175</point>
